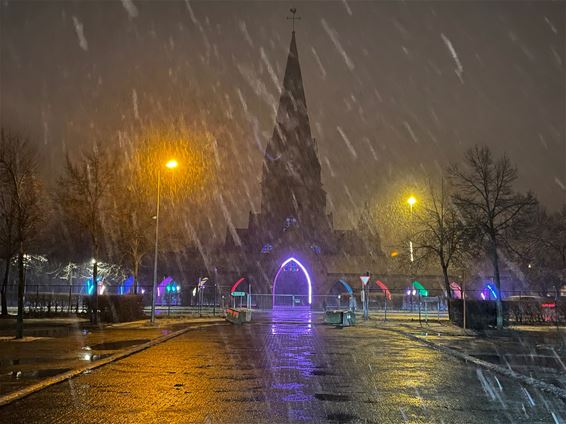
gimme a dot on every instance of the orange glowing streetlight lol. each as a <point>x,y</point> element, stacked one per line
<point>171,164</point>
<point>411,201</point>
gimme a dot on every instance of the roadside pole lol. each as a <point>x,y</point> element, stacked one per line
<point>214,304</point>
<point>419,299</point>
<point>464,301</point>
<point>365,298</point>
<point>249,305</point>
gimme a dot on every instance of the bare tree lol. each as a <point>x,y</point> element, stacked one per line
<point>8,246</point>
<point>485,197</point>
<point>544,252</point>
<point>440,234</point>
<point>132,223</point>
<point>22,195</point>
<point>84,194</point>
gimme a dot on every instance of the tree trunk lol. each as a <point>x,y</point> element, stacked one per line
<point>447,286</point>
<point>4,289</point>
<point>21,290</point>
<point>497,277</point>
<point>136,270</point>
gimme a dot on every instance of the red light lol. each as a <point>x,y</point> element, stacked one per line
<point>236,285</point>
<point>548,305</point>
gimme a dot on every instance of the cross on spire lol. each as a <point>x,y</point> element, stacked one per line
<point>294,17</point>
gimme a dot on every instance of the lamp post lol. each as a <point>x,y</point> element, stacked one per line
<point>172,164</point>
<point>95,292</point>
<point>411,201</point>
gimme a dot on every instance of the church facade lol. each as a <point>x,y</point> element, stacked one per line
<point>293,228</point>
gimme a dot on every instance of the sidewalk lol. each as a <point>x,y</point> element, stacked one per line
<point>536,351</point>
<point>54,346</point>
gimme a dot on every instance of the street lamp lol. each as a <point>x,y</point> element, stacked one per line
<point>411,201</point>
<point>171,164</point>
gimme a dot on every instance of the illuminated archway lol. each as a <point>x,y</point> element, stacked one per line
<point>127,285</point>
<point>489,292</point>
<point>346,286</point>
<point>302,269</point>
<point>236,284</point>
<point>420,288</point>
<point>384,288</point>
<point>161,287</point>
<point>456,290</point>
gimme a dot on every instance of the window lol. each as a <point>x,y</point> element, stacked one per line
<point>290,221</point>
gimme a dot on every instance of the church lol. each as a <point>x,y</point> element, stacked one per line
<point>293,231</point>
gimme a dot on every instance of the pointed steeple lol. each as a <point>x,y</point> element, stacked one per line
<point>291,147</point>
<point>291,180</point>
<point>293,92</point>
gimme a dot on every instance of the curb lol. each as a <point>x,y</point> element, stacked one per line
<point>539,384</point>
<point>26,391</point>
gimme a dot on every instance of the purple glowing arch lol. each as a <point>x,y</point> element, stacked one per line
<point>302,269</point>
<point>162,285</point>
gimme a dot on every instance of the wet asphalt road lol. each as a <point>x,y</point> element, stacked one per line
<point>276,372</point>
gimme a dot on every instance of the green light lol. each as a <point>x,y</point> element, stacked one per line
<point>422,291</point>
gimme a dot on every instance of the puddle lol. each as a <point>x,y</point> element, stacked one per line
<point>118,345</point>
<point>297,397</point>
<point>50,372</point>
<point>320,372</point>
<point>341,417</point>
<point>332,397</point>
<point>287,386</point>
<point>51,332</point>
<point>4,363</point>
<point>83,356</point>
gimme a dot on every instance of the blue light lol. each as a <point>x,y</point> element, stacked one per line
<point>266,248</point>
<point>489,292</point>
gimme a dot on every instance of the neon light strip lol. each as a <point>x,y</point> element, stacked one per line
<point>236,285</point>
<point>346,286</point>
<point>302,268</point>
<point>492,291</point>
<point>422,290</point>
<point>384,288</point>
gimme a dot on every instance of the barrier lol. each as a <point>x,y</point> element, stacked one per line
<point>238,316</point>
<point>341,318</point>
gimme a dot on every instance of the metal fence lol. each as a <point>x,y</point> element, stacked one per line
<point>72,299</point>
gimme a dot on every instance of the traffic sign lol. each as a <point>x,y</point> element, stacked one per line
<point>238,294</point>
<point>364,278</point>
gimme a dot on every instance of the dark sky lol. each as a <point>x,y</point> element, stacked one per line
<point>394,89</point>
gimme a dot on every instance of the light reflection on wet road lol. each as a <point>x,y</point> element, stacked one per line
<point>287,372</point>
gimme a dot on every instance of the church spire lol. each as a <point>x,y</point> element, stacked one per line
<point>291,142</point>
<point>291,180</point>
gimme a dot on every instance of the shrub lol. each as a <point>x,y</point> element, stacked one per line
<point>120,308</point>
<point>480,314</point>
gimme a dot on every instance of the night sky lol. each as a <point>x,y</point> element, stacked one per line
<point>394,89</point>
